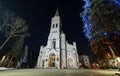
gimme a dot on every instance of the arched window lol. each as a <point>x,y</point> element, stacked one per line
<point>54,43</point>
<point>53,25</point>
<point>57,59</point>
<point>56,25</point>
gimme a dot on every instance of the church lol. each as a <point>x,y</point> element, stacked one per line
<point>58,53</point>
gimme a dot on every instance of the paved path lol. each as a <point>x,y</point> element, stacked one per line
<point>58,72</point>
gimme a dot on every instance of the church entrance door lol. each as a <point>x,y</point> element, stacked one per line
<point>52,60</point>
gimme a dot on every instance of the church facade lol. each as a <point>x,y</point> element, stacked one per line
<point>58,53</point>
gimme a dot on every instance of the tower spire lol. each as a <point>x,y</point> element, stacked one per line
<point>57,12</point>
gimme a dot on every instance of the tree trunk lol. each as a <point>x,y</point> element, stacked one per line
<point>3,25</point>
<point>112,51</point>
<point>104,23</point>
<point>5,42</point>
<point>10,61</point>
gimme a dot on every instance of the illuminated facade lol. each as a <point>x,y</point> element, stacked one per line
<point>58,53</point>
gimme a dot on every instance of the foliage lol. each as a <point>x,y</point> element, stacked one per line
<point>104,14</point>
<point>101,16</point>
<point>101,20</point>
<point>84,16</point>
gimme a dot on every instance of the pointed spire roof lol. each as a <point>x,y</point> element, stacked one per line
<point>57,12</point>
<point>62,32</point>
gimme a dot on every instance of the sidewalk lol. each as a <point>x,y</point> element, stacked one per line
<point>4,68</point>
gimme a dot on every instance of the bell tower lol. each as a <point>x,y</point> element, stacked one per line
<point>55,24</point>
<point>54,35</point>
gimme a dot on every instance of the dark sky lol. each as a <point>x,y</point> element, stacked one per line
<point>38,14</point>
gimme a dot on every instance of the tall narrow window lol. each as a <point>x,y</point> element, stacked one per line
<point>56,25</point>
<point>53,25</point>
<point>54,43</point>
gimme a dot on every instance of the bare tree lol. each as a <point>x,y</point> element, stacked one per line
<point>12,26</point>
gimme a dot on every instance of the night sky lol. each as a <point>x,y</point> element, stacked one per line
<point>38,14</point>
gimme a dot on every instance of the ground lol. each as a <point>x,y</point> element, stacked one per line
<point>58,72</point>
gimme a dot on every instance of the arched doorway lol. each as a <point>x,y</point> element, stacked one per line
<point>70,62</point>
<point>52,60</point>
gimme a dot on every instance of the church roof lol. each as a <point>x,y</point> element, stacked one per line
<point>57,12</point>
<point>62,32</point>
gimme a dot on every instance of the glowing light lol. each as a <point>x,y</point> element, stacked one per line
<point>85,19</point>
<point>86,27</point>
<point>87,3</point>
<point>105,33</point>
<point>118,59</point>
<point>117,2</point>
